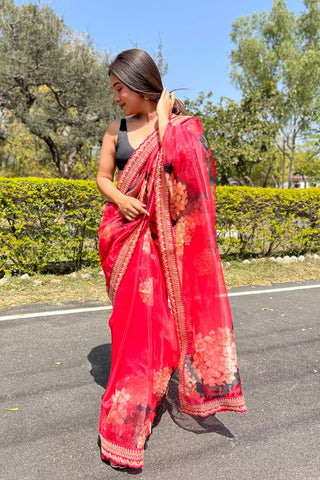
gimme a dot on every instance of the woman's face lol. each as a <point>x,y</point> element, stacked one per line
<point>129,101</point>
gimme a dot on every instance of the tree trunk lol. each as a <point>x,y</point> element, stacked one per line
<point>283,163</point>
<point>267,175</point>
<point>66,168</point>
<point>290,170</point>
<point>291,164</point>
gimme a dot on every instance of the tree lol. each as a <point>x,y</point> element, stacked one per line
<point>283,50</point>
<point>159,59</point>
<point>23,154</point>
<point>239,138</point>
<point>53,81</point>
<point>308,165</point>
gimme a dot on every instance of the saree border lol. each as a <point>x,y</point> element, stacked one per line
<point>235,404</point>
<point>123,259</point>
<point>134,164</point>
<point>140,155</point>
<point>136,161</point>
<point>167,248</point>
<point>121,455</point>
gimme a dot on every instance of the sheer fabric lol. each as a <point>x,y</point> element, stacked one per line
<point>164,278</point>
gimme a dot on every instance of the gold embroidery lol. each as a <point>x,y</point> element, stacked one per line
<point>218,405</point>
<point>132,168</point>
<point>136,161</point>
<point>169,261</point>
<point>170,266</point>
<point>121,455</point>
<point>122,261</point>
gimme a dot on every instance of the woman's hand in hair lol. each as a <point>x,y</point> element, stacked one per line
<point>131,207</point>
<point>165,104</point>
<point>164,110</point>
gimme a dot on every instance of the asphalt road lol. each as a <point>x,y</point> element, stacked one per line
<point>54,370</point>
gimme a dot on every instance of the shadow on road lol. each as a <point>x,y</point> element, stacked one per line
<point>100,359</point>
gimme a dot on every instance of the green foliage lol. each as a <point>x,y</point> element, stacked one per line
<point>265,221</point>
<point>23,154</point>
<point>54,82</point>
<point>241,139</point>
<point>282,50</point>
<point>44,221</point>
<point>308,164</point>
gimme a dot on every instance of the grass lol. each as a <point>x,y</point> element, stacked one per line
<point>89,284</point>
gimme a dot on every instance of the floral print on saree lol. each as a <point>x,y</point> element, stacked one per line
<point>170,256</point>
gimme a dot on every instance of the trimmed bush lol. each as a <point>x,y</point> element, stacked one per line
<point>56,221</point>
<point>266,221</point>
<point>44,221</point>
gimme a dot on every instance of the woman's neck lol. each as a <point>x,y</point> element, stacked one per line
<point>148,115</point>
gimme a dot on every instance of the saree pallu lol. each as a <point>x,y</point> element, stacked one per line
<point>164,277</point>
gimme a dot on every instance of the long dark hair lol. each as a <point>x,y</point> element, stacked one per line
<point>136,69</point>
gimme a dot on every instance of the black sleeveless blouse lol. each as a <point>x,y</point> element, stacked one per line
<point>123,147</point>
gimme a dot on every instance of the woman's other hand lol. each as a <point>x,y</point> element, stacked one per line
<point>164,111</point>
<point>165,104</point>
<point>131,207</point>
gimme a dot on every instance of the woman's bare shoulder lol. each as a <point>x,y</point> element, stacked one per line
<point>113,128</point>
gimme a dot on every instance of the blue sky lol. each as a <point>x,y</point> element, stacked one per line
<point>195,34</point>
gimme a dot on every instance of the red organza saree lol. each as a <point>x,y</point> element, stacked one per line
<point>165,280</point>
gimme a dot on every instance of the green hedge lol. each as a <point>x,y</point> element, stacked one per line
<point>266,221</point>
<point>46,221</point>
<point>55,222</point>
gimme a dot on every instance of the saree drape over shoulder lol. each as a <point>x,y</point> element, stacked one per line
<point>164,278</point>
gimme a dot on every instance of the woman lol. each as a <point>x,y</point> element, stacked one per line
<point>161,262</point>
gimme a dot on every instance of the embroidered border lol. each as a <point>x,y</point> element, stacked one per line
<point>167,248</point>
<point>123,259</point>
<point>137,160</point>
<point>215,406</point>
<point>139,156</point>
<point>121,455</point>
<point>132,168</point>
<point>167,253</point>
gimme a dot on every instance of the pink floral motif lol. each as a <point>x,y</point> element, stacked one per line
<point>146,243</point>
<point>189,388</point>
<point>180,199</point>
<point>178,195</point>
<point>127,420</point>
<point>190,383</point>
<point>106,232</point>
<point>146,291</point>
<point>170,183</point>
<point>199,217</point>
<point>143,434</point>
<point>215,358</point>
<point>183,231</point>
<point>160,381</point>
<point>119,407</point>
<point>204,262</point>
